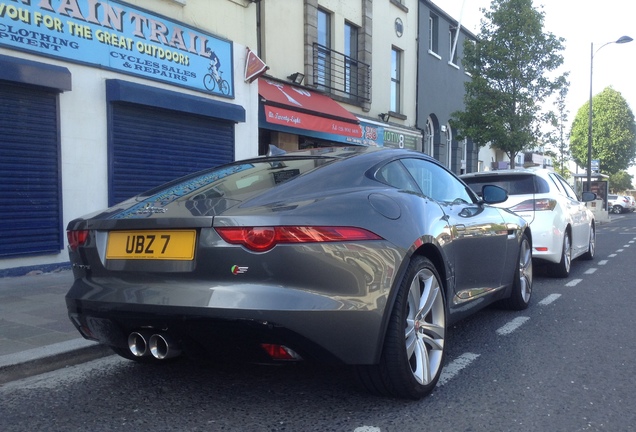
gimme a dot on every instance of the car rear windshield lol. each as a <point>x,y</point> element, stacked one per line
<point>240,178</point>
<point>519,184</point>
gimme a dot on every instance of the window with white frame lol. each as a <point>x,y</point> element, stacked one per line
<point>433,33</point>
<point>452,54</point>
<point>463,146</point>
<point>396,72</point>
<point>429,137</point>
<point>449,146</point>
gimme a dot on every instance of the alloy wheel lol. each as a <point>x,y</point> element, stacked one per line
<point>425,327</point>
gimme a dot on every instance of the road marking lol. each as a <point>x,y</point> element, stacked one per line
<point>619,250</point>
<point>367,429</point>
<point>549,299</point>
<point>625,246</point>
<point>590,270</point>
<point>454,367</point>
<point>512,326</point>
<point>573,282</point>
<point>602,262</point>
<point>611,255</point>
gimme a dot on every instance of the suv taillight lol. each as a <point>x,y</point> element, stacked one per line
<point>535,205</point>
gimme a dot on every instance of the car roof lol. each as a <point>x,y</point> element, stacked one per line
<point>543,172</point>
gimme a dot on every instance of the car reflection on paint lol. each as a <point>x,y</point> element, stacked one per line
<point>359,256</point>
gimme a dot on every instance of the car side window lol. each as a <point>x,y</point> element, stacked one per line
<point>394,174</point>
<point>557,184</point>
<point>437,183</point>
<point>567,188</point>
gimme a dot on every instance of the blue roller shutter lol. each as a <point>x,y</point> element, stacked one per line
<point>150,146</point>
<point>30,186</point>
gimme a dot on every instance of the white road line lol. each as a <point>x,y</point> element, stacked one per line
<point>619,250</point>
<point>625,246</point>
<point>512,326</point>
<point>611,255</point>
<point>590,270</point>
<point>602,262</point>
<point>573,282</point>
<point>549,299</point>
<point>454,367</point>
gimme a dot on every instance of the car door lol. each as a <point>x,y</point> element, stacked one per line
<point>479,245</point>
<point>577,215</point>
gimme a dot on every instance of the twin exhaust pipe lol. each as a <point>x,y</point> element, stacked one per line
<point>160,345</point>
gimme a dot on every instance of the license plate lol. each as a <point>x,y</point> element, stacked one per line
<point>151,245</point>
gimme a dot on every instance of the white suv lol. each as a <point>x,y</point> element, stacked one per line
<point>563,228</point>
<point>618,204</point>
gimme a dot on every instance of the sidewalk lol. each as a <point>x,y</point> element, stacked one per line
<point>36,334</point>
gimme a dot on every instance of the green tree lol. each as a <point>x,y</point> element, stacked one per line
<point>613,132</point>
<point>556,134</point>
<point>621,180</point>
<point>509,66</point>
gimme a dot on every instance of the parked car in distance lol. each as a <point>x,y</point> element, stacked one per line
<point>632,202</point>
<point>360,256</point>
<point>618,204</point>
<point>563,228</point>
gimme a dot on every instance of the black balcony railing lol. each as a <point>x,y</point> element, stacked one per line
<point>341,75</point>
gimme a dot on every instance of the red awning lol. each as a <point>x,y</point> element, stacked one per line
<point>302,100</point>
<point>299,108</point>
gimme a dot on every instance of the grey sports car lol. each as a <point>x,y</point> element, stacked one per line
<point>358,256</point>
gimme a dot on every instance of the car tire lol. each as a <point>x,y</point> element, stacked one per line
<point>591,246</point>
<point>562,268</point>
<point>522,284</point>
<point>414,344</point>
<point>617,209</point>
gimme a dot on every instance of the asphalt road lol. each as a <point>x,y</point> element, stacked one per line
<point>565,364</point>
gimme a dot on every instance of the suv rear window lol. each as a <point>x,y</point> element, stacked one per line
<point>514,184</point>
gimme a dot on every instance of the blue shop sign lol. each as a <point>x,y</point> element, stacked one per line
<point>116,36</point>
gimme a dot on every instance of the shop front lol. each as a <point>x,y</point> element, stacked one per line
<point>100,101</point>
<point>294,118</point>
<point>381,134</point>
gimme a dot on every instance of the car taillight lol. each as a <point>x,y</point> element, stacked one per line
<point>261,239</point>
<point>535,205</point>
<point>77,238</point>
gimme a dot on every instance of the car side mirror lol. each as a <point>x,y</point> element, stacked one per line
<point>588,196</point>
<point>491,194</point>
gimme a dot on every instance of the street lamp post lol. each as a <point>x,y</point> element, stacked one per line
<point>621,40</point>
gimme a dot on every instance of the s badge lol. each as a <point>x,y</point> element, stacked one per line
<point>238,270</point>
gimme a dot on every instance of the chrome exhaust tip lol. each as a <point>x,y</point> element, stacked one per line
<point>162,347</point>
<point>138,344</point>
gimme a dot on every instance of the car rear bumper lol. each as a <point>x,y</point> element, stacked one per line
<point>229,321</point>
<point>547,236</point>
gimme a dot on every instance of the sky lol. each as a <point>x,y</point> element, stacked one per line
<point>581,23</point>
